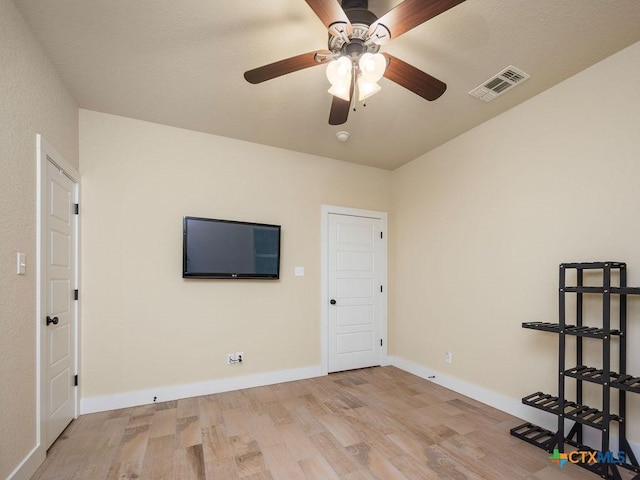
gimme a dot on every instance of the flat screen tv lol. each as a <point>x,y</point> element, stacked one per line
<point>229,249</point>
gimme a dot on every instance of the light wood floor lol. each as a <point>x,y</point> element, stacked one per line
<point>376,423</point>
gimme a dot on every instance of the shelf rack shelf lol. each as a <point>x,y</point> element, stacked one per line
<point>581,331</point>
<point>602,418</point>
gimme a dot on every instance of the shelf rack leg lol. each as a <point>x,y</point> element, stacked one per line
<point>561,360</point>
<point>579,358</point>
<point>606,356</point>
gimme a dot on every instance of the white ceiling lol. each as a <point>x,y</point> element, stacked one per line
<point>181,63</point>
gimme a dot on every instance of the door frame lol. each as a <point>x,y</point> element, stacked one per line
<point>327,210</point>
<point>45,154</point>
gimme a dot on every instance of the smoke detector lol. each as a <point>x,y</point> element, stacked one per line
<point>499,84</point>
<point>342,136</point>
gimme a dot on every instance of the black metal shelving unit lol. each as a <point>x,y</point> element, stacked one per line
<point>603,418</point>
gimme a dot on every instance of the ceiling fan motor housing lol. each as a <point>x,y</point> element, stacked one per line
<point>361,18</point>
<point>349,4</point>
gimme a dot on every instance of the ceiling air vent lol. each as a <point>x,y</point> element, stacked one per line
<point>500,83</point>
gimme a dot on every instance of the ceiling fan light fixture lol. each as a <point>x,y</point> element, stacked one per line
<point>339,71</point>
<point>340,91</point>
<point>366,89</point>
<point>372,66</point>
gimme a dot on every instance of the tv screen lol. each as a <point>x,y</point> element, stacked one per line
<point>229,249</point>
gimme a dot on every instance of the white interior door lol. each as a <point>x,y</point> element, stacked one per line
<point>59,312</point>
<point>355,289</point>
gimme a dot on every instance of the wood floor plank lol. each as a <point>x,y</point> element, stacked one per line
<point>236,421</point>
<point>210,411</point>
<point>335,454</point>
<point>140,420</point>
<point>281,463</point>
<point>278,413</point>
<point>125,469</point>
<point>412,468</point>
<point>307,420</point>
<point>376,419</point>
<point>222,469</point>
<point>216,444</point>
<point>373,461</point>
<point>163,423</point>
<point>284,391</point>
<point>265,431</point>
<point>159,457</point>
<point>409,444</point>
<point>261,394</point>
<point>166,405</point>
<point>188,407</point>
<point>340,430</point>
<point>134,444</point>
<point>111,432</point>
<point>97,464</point>
<point>298,442</point>
<point>502,467</point>
<point>248,456</point>
<point>317,468</point>
<point>444,463</point>
<point>266,475</point>
<point>189,463</point>
<point>188,432</point>
<point>228,400</point>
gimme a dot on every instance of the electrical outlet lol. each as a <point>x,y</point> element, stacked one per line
<point>233,358</point>
<point>448,357</point>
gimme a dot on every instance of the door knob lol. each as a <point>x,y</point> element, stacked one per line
<point>332,301</point>
<point>53,320</point>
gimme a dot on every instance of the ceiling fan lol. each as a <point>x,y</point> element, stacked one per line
<point>355,37</point>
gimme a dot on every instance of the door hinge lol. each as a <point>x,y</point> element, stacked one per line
<point>381,235</point>
<point>75,381</point>
<point>380,288</point>
<point>76,209</point>
<point>380,342</point>
<point>75,294</point>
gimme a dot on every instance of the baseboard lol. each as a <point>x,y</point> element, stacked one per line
<point>499,401</point>
<point>29,465</point>
<point>176,392</point>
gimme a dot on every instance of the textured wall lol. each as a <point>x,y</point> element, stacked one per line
<point>32,100</point>
<point>480,225</point>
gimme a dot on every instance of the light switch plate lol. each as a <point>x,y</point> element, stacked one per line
<point>21,267</point>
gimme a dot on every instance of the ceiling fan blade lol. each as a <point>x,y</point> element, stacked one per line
<point>411,13</point>
<point>340,108</point>
<point>339,111</point>
<point>330,13</point>
<point>288,65</point>
<point>411,78</point>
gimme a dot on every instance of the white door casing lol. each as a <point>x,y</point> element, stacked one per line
<point>57,309</point>
<point>354,277</point>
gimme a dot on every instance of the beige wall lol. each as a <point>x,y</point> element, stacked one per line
<point>32,100</point>
<point>143,326</point>
<point>480,225</point>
